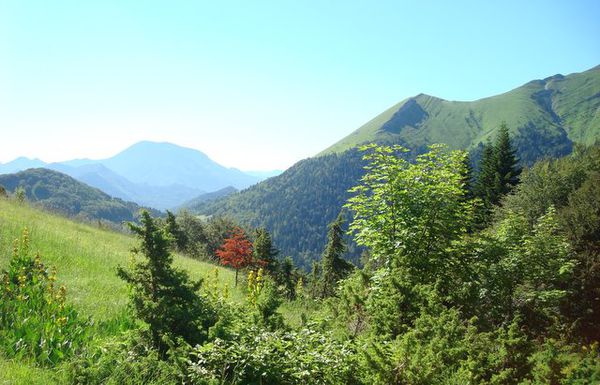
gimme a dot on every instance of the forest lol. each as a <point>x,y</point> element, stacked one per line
<point>485,275</point>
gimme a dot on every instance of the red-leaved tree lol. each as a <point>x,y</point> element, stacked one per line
<point>236,251</point>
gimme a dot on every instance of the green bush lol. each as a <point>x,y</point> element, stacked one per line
<point>262,357</point>
<point>35,321</point>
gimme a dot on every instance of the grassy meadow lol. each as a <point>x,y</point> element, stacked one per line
<point>86,258</point>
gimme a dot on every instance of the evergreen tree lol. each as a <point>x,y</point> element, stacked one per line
<point>498,171</point>
<point>286,278</point>
<point>486,178</point>
<point>507,170</point>
<point>162,296</point>
<point>174,230</point>
<point>334,267</point>
<point>468,180</point>
<point>264,251</point>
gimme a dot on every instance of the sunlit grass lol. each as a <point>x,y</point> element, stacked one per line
<point>86,258</point>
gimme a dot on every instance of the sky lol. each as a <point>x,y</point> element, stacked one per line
<point>259,85</point>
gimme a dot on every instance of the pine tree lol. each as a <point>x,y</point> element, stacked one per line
<point>498,170</point>
<point>174,230</point>
<point>334,267</point>
<point>265,252</point>
<point>286,278</point>
<point>162,296</point>
<point>468,180</point>
<point>486,178</point>
<point>506,162</point>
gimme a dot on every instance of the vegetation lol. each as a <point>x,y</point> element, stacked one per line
<point>438,301</point>
<point>236,252</point>
<point>545,116</point>
<point>162,296</point>
<point>545,119</point>
<point>61,193</point>
<point>296,206</point>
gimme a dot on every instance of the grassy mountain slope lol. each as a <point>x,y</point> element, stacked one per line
<point>552,113</point>
<point>56,191</point>
<point>86,257</point>
<point>545,117</point>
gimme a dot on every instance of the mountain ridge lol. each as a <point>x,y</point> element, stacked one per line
<point>546,117</point>
<point>162,175</point>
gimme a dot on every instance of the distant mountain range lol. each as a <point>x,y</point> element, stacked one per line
<point>59,192</point>
<point>546,118</point>
<point>159,175</point>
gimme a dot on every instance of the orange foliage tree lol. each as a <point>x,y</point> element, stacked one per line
<point>236,251</point>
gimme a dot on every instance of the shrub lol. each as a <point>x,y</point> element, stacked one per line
<point>35,321</point>
<point>261,357</point>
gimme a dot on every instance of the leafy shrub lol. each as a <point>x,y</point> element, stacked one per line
<point>261,357</point>
<point>35,321</point>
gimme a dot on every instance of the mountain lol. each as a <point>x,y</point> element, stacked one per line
<point>99,176</point>
<point>546,118</point>
<point>166,164</point>
<point>264,174</point>
<point>193,204</point>
<point>160,175</point>
<point>59,192</point>
<point>19,164</point>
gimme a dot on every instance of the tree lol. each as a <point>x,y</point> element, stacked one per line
<point>264,250</point>
<point>334,267</point>
<point>486,178</point>
<point>498,170</point>
<point>409,214</point>
<point>236,252</point>
<point>286,278</point>
<point>162,296</point>
<point>174,230</point>
<point>507,170</point>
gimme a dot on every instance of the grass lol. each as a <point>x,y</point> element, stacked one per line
<point>462,125</point>
<point>16,373</point>
<point>86,258</point>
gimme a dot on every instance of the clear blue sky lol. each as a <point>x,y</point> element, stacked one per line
<point>257,84</point>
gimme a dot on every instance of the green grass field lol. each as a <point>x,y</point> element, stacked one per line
<point>86,258</point>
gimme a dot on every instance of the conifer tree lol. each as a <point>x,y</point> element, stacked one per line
<point>498,170</point>
<point>507,169</point>
<point>486,178</point>
<point>286,278</point>
<point>334,267</point>
<point>264,251</point>
<point>174,230</point>
<point>162,296</point>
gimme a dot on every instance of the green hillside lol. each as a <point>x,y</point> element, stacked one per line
<point>86,257</point>
<point>59,192</point>
<point>545,116</point>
